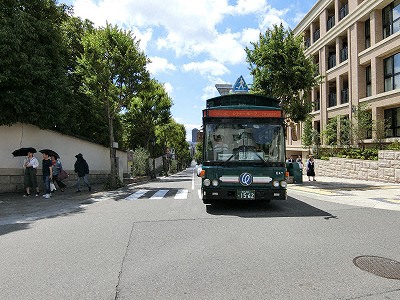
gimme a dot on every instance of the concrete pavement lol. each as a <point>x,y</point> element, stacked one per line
<point>373,194</point>
<point>14,208</point>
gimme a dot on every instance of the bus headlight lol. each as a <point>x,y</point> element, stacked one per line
<point>275,183</point>
<point>283,184</point>
<point>215,182</point>
<point>206,182</point>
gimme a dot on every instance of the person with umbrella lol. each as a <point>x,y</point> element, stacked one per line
<point>57,166</point>
<point>30,164</point>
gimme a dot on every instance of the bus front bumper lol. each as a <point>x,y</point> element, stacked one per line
<point>213,194</point>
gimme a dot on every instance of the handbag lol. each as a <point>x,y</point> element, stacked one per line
<point>62,174</point>
<point>52,187</point>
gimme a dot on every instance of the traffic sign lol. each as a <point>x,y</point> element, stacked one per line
<point>240,85</point>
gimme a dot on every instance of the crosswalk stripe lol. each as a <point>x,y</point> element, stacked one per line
<point>159,194</point>
<point>136,195</point>
<point>181,194</point>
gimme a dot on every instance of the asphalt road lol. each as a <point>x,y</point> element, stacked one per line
<point>159,241</point>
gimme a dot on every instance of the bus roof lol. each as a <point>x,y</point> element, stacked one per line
<point>243,100</point>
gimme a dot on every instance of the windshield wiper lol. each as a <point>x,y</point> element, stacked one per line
<point>245,148</point>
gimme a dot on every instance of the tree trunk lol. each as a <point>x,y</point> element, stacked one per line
<point>113,173</point>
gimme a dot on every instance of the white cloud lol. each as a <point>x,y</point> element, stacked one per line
<point>168,88</point>
<point>273,17</point>
<point>159,65</point>
<point>206,68</point>
<point>249,6</point>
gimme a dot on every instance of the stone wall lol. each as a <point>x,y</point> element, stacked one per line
<point>386,168</point>
<point>12,180</point>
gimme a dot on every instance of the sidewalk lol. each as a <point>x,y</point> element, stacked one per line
<point>15,208</point>
<point>373,194</point>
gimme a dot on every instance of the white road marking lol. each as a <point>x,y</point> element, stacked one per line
<point>136,195</point>
<point>193,180</point>
<point>159,194</point>
<point>199,194</point>
<point>181,194</point>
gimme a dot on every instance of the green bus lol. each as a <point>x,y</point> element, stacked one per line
<point>243,149</point>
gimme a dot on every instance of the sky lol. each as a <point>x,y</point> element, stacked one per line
<point>194,44</point>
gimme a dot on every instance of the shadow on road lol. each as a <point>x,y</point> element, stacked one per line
<point>248,209</point>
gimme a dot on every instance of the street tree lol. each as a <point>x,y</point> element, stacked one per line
<point>148,109</point>
<point>172,135</point>
<point>113,68</point>
<point>86,115</point>
<point>281,69</point>
<point>33,82</point>
<point>307,136</point>
<point>362,124</point>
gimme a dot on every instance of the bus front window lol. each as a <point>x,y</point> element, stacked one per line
<point>244,142</point>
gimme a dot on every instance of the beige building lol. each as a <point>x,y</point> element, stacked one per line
<point>356,44</point>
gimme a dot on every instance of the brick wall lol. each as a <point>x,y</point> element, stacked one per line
<point>386,168</point>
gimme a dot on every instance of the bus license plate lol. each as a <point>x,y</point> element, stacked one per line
<point>246,195</point>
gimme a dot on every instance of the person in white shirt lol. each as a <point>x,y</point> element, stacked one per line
<point>219,146</point>
<point>30,181</point>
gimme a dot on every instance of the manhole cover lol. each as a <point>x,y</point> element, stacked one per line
<point>380,266</point>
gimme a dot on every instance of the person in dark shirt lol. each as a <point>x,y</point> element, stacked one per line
<point>47,171</point>
<point>82,168</point>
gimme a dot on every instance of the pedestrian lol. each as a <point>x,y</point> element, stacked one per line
<point>30,181</point>
<point>47,171</point>
<point>82,168</point>
<point>57,166</point>
<point>310,168</point>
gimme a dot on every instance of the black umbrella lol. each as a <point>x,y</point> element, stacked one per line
<point>23,151</point>
<point>50,152</point>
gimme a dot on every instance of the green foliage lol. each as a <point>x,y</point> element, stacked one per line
<point>330,132</point>
<point>281,69</point>
<point>363,123</point>
<point>394,145</point>
<point>353,153</point>
<point>33,80</point>
<point>173,167</point>
<point>198,154</point>
<point>108,186</point>
<point>149,109</point>
<point>140,160</point>
<point>345,131</point>
<point>307,136</point>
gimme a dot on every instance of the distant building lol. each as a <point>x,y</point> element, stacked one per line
<point>223,88</point>
<point>195,132</point>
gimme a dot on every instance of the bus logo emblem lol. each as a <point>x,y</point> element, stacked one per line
<point>245,179</point>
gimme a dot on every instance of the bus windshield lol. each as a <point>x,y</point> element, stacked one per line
<point>252,142</point>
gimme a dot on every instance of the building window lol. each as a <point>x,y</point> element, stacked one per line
<point>392,72</point>
<point>330,23</point>
<point>344,53</point>
<point>344,11</point>
<point>316,35</point>
<point>345,95</point>
<point>307,43</point>
<point>332,100</point>
<point>316,105</point>
<point>391,18</point>
<point>331,60</point>
<point>368,81</point>
<point>367,27</point>
<point>392,121</point>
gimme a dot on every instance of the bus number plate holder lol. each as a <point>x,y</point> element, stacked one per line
<point>246,195</point>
